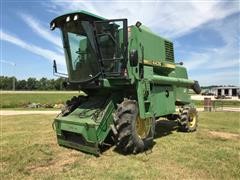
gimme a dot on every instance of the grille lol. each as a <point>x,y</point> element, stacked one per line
<point>75,138</point>
<point>169,51</point>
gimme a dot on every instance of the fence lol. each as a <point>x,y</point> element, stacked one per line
<point>221,105</point>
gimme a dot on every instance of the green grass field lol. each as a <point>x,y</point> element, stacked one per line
<point>20,100</point>
<point>29,151</point>
<point>219,103</point>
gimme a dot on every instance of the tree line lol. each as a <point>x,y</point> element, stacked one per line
<point>10,83</point>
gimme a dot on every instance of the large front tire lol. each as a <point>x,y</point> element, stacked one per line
<point>134,134</point>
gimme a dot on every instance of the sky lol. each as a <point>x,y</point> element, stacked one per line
<point>206,34</point>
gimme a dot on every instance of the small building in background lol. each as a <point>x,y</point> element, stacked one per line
<point>226,91</point>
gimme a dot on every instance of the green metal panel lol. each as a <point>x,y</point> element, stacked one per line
<point>144,98</point>
<point>87,131</point>
<point>162,100</point>
<point>154,45</point>
<point>181,93</point>
<point>133,72</point>
<point>160,72</point>
<point>107,120</point>
<point>172,80</point>
<point>179,72</point>
<point>148,72</point>
<point>92,130</point>
<point>72,123</point>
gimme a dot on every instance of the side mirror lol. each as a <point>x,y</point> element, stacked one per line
<point>55,73</point>
<point>54,66</point>
<point>133,58</point>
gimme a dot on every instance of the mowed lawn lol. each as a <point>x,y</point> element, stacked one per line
<point>20,100</point>
<point>29,151</point>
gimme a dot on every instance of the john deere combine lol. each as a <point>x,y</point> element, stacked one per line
<point>130,79</point>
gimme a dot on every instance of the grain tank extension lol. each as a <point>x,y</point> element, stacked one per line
<point>129,78</point>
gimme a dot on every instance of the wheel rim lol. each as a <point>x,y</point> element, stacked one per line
<point>192,119</point>
<point>143,126</point>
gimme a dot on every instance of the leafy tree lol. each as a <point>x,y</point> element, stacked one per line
<point>58,84</point>
<point>21,85</point>
<point>31,84</point>
<point>42,84</point>
<point>6,83</point>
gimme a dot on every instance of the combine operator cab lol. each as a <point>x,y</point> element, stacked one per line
<point>94,48</point>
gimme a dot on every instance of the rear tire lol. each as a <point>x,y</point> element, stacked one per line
<point>130,138</point>
<point>188,121</point>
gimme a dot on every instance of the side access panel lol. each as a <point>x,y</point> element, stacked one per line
<point>144,99</point>
<point>163,101</point>
<point>105,124</point>
<point>181,93</point>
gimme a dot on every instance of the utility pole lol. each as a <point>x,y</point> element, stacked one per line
<point>14,82</point>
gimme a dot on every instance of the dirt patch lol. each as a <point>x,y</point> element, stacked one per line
<point>55,165</point>
<point>224,135</point>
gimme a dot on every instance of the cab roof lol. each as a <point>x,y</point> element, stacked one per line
<point>81,14</point>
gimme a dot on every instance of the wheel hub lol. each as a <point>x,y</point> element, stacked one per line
<point>143,126</point>
<point>192,119</point>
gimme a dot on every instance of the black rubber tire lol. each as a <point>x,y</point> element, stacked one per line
<point>127,139</point>
<point>184,124</point>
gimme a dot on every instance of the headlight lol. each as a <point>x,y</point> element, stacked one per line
<point>75,17</point>
<point>68,19</point>
<point>52,27</point>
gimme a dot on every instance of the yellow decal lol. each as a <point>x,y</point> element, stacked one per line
<point>158,63</point>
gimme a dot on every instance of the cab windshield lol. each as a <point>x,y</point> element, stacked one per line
<point>93,49</point>
<point>80,51</point>
<point>109,36</point>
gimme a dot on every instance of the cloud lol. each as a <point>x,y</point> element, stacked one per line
<point>172,19</point>
<point>228,63</point>
<point>45,53</point>
<point>44,32</point>
<point>7,62</point>
<point>196,60</point>
<point>217,78</point>
<point>218,65</point>
<point>212,60</point>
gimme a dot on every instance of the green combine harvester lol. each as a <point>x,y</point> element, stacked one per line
<point>129,78</point>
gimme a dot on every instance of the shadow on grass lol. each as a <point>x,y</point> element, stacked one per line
<point>164,128</point>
